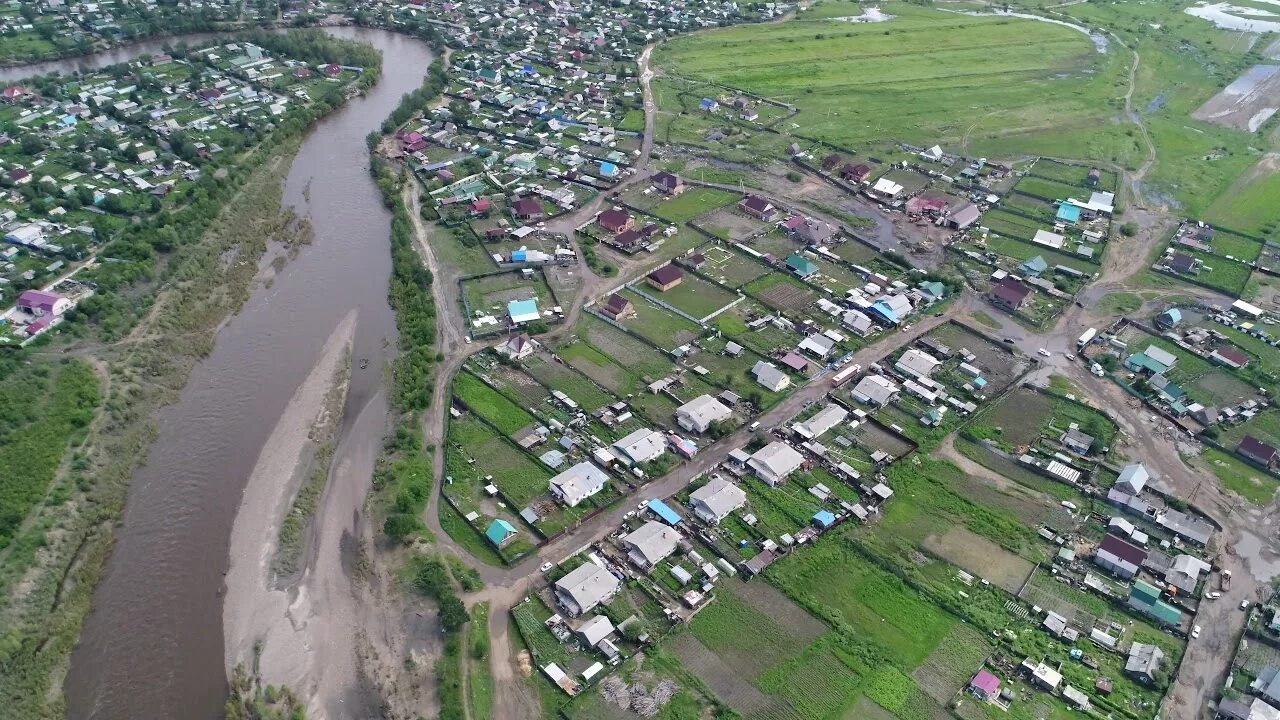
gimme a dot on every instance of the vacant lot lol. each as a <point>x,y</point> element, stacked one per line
<point>980,557</point>
<point>556,375</point>
<point>731,268</point>
<point>659,326</point>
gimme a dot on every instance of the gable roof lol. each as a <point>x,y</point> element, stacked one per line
<point>666,275</point>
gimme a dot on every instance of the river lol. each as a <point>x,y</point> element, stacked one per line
<point>152,646</point>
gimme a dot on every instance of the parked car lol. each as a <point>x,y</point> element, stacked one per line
<point>546,567</point>
<point>1195,632</point>
<point>1044,352</point>
<point>1213,595</point>
<point>1244,604</point>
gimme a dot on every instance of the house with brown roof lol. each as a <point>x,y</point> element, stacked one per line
<point>1009,294</point>
<point>830,162</point>
<point>1230,357</point>
<point>618,307</point>
<point>1257,452</point>
<point>615,221</point>
<point>667,183</point>
<point>758,207</point>
<point>527,208</point>
<point>1119,556</point>
<point>855,173</point>
<point>665,277</point>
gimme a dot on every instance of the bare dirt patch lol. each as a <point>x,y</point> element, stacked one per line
<point>1248,102</point>
<point>978,555</point>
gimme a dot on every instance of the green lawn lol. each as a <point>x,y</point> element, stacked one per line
<point>692,203</point>
<point>1246,481</point>
<point>490,404</point>
<point>693,295</point>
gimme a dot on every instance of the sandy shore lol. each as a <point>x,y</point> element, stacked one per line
<point>306,640</point>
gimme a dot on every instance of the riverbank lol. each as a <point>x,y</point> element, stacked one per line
<point>277,625</point>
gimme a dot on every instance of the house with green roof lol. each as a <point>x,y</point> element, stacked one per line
<point>500,532</point>
<point>800,266</point>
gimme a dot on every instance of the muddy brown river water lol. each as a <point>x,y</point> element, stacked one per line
<point>152,646</point>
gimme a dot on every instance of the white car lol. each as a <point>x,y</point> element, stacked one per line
<point>1213,595</point>
<point>1244,604</point>
<point>1195,632</point>
<point>1044,352</point>
<point>1070,356</point>
<point>546,567</point>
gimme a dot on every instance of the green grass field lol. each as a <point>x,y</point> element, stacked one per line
<point>693,203</point>
<point>917,77</point>
<point>490,404</point>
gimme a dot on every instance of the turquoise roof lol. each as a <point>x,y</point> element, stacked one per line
<point>1068,212</point>
<point>802,266</point>
<point>934,288</point>
<point>499,531</point>
<point>824,518</point>
<point>1165,613</point>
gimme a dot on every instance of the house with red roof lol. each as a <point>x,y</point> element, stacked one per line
<point>618,307</point>
<point>984,685</point>
<point>668,183</point>
<point>927,205</point>
<point>527,208</point>
<point>331,70</point>
<point>855,173</point>
<point>1230,357</point>
<point>41,303</point>
<point>14,93</point>
<point>479,207</point>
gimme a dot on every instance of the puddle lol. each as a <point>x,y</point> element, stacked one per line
<point>870,15</point>
<point>1262,561</point>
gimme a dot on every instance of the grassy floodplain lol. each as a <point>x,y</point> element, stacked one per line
<point>917,77</point>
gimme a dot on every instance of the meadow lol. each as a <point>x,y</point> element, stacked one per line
<point>916,77</point>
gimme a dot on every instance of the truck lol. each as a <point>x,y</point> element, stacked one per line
<point>1086,338</point>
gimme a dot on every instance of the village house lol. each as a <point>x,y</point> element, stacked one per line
<point>527,208</point>
<point>1120,557</point>
<point>578,483</point>
<point>714,501</point>
<point>640,446</point>
<point>667,183</point>
<point>1257,452</point>
<point>615,221</point>
<point>618,308</point>
<point>770,377</point>
<point>774,462</point>
<point>701,413</point>
<point>652,543</point>
<point>585,588</point>
<point>1229,357</point>
<point>1143,662</point>
<point>875,390</point>
<point>856,174</point>
<point>1009,294</point>
<point>517,347</point>
<point>500,532</point>
<point>757,207</point>
<point>40,303</point>
<point>665,278</point>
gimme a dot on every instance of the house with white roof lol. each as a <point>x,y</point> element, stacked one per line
<point>774,462</point>
<point>714,501</point>
<point>578,483</point>
<point>876,390</point>
<point>701,413</point>
<point>585,588</point>
<point>640,446</point>
<point>651,544</point>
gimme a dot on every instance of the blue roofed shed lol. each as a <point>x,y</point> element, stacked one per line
<point>664,512</point>
<point>1068,213</point>
<point>523,311</point>
<point>934,289</point>
<point>824,519</point>
<point>499,532</point>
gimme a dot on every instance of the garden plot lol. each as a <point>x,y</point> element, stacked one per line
<point>693,295</point>
<point>872,437</point>
<point>490,404</point>
<point>764,339</point>
<point>949,668</point>
<point>518,385</point>
<point>782,292</point>
<point>491,294</point>
<point>999,366</point>
<point>730,268</point>
<point>544,368</point>
<point>1265,426</point>
<point>1219,387</point>
<point>1016,420</point>
<point>728,684</point>
<point>1248,102</point>
<point>980,557</point>
<point>659,326</point>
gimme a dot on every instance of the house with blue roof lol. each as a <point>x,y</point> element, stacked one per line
<point>1068,213</point>
<point>500,532</point>
<point>608,169</point>
<point>1035,266</point>
<point>823,519</point>
<point>801,266</point>
<point>664,512</point>
<point>1169,319</point>
<point>708,105</point>
<point>523,311</point>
